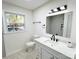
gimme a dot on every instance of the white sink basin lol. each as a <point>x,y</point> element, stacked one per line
<point>55,44</point>
<point>50,42</point>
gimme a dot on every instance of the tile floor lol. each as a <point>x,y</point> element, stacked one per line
<point>22,55</point>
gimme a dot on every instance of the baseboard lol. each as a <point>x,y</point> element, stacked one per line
<point>14,52</point>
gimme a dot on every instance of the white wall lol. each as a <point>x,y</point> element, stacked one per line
<point>40,15</point>
<point>16,41</point>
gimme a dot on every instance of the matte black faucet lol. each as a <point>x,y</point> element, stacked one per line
<point>53,37</point>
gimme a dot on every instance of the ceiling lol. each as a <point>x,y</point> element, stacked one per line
<point>29,4</point>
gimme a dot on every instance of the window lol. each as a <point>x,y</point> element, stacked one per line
<point>14,22</point>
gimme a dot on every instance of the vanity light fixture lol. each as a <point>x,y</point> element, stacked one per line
<point>50,12</point>
<point>55,10</point>
<point>58,9</point>
<point>63,7</point>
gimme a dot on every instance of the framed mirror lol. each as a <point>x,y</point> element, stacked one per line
<point>59,24</point>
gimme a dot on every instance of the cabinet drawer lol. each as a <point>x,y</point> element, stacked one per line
<point>46,55</point>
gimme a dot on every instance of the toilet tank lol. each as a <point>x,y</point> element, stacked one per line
<point>34,37</point>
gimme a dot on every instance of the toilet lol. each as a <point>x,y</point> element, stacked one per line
<point>30,46</point>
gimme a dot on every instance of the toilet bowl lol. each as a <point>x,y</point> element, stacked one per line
<point>30,46</point>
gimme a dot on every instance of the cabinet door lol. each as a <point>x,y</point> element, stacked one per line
<point>47,55</point>
<point>38,51</point>
<point>55,57</point>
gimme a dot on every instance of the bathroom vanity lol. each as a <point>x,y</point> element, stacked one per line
<point>58,24</point>
<point>47,49</point>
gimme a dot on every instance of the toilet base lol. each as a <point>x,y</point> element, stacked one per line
<point>30,49</point>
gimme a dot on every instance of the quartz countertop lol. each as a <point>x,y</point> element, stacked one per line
<point>57,46</point>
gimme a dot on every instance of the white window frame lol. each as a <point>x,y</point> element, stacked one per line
<point>4,21</point>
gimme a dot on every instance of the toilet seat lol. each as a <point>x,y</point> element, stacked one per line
<point>28,44</point>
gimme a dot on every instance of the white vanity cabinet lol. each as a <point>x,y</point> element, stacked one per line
<point>47,55</point>
<point>43,52</point>
<point>56,51</point>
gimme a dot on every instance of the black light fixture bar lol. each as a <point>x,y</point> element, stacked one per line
<point>65,6</point>
<point>59,9</point>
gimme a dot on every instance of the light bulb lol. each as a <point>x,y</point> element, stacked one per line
<point>62,8</point>
<point>55,10</point>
